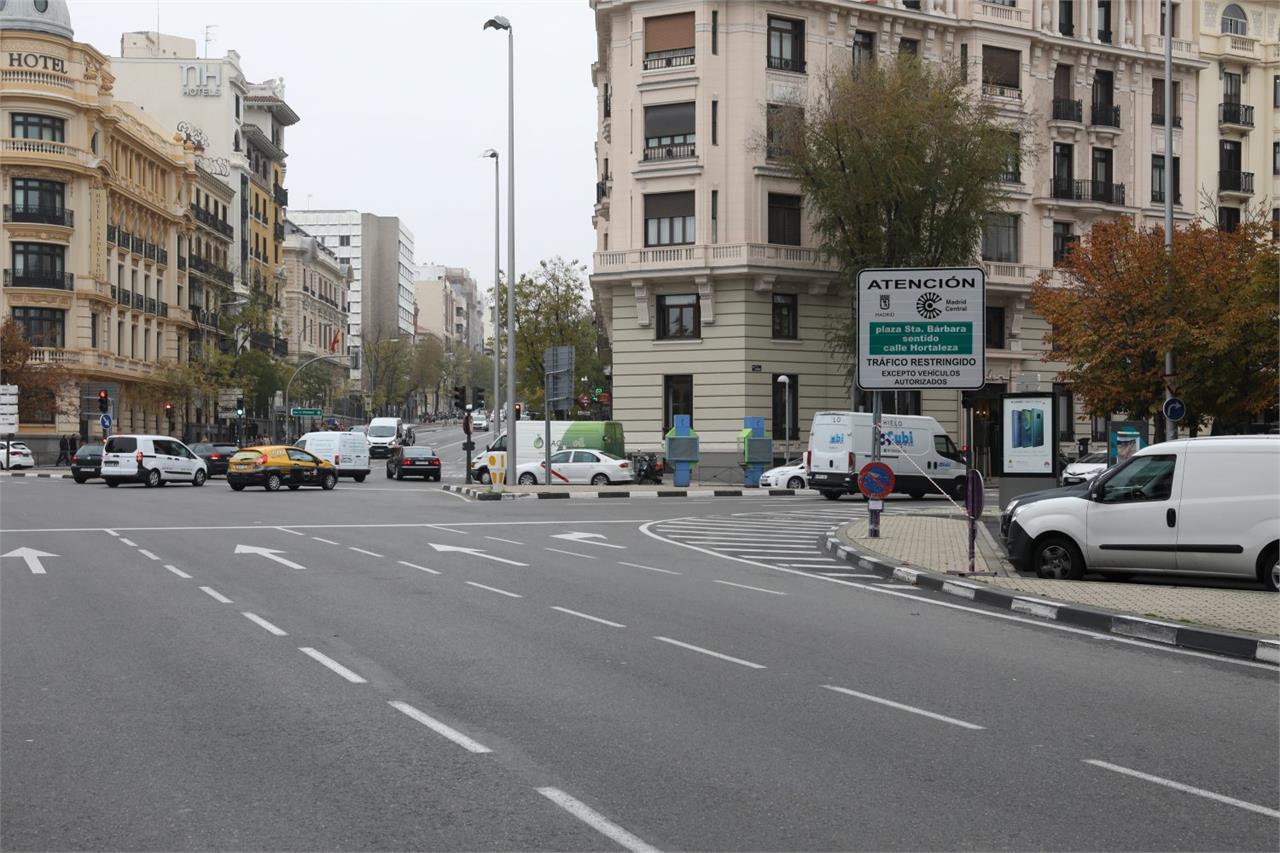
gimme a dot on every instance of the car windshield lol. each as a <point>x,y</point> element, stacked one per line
<point>1092,459</point>
<point>122,444</point>
<point>604,455</point>
<point>202,448</point>
<point>382,431</point>
<point>418,452</point>
<point>89,450</point>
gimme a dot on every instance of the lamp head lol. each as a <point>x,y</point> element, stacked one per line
<point>497,22</point>
<point>489,152</point>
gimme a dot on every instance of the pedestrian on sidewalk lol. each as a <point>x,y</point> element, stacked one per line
<point>63,459</point>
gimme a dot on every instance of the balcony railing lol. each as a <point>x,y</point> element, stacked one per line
<point>1157,196</point>
<point>150,306</point>
<point>139,302</point>
<point>1105,192</point>
<point>683,151</point>
<point>182,262</point>
<point>669,58</point>
<point>42,214</point>
<point>281,195</point>
<point>715,255</point>
<point>123,240</point>
<point>1011,176</point>
<point>137,245</point>
<point>1104,36</point>
<point>212,270</point>
<point>1241,115</point>
<point>1157,119</point>
<point>39,278</point>
<point>206,218</point>
<point>1105,115</point>
<point>1065,109</point>
<point>43,146</point>
<point>999,90</point>
<point>1235,182</point>
<point>111,234</point>
<point>602,191</point>
<point>163,308</point>
<point>1082,189</point>
<point>786,63</point>
<point>279,232</point>
<point>121,296</point>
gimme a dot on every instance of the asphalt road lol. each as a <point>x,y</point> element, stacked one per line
<point>388,666</point>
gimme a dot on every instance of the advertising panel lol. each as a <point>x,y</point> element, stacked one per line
<point>1028,435</point>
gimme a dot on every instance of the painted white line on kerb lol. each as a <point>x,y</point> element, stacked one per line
<point>570,553</point>
<point>701,650</point>
<point>363,551</point>
<point>1187,789</point>
<point>448,530</point>
<point>744,586</point>
<point>129,542</point>
<point>493,589</point>
<point>440,728</point>
<point>500,539</point>
<point>332,664</point>
<point>419,568</point>
<point>263,623</point>
<point>325,541</point>
<point>287,530</point>
<point>588,616</point>
<point>215,595</point>
<point>179,572</point>
<point>597,821</point>
<point>647,568</point>
<point>144,552</point>
<point>911,709</point>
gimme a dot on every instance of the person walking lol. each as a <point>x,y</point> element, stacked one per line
<point>63,459</point>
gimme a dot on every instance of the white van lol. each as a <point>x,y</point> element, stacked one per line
<point>385,435</point>
<point>531,436</point>
<point>840,444</point>
<point>348,451</point>
<point>1194,506</point>
<point>152,460</point>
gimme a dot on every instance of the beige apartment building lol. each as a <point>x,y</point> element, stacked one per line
<point>449,306</point>
<point>1239,119</point>
<point>315,304</point>
<point>96,220</point>
<point>706,273</point>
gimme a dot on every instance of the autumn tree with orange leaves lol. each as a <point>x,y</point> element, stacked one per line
<point>1111,322</point>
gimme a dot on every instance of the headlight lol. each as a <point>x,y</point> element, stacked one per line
<point>1011,506</point>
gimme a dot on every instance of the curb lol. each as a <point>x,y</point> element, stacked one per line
<point>480,495</point>
<point>1212,640</point>
<point>42,475</point>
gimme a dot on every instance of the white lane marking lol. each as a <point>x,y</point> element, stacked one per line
<point>570,553</point>
<point>439,728</point>
<point>647,568</point>
<point>588,616</point>
<point>325,541</point>
<point>744,586</point>
<point>332,664</point>
<point>1187,789</point>
<point>447,529</point>
<point>129,542</point>
<point>112,532</point>
<point>215,595</point>
<point>475,552</point>
<point>325,526</point>
<point>144,552</point>
<point>500,539</point>
<point>419,568</point>
<point>584,538</point>
<point>847,575</point>
<point>450,494</point>
<point>263,623</point>
<point>908,708</point>
<point>179,572</point>
<point>597,821</point>
<point>711,653</point>
<point>363,551</point>
<point>287,530</point>
<point>493,589</point>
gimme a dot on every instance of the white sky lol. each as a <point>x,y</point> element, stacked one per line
<point>398,99</point>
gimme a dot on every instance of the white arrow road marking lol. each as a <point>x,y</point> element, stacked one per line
<point>269,553</point>
<point>475,552</point>
<point>587,538</point>
<point>32,556</point>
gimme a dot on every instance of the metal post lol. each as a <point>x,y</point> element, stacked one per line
<point>497,273</point>
<point>512,459</point>
<point>1170,425</point>
<point>968,468</point>
<point>546,415</point>
<point>873,514</point>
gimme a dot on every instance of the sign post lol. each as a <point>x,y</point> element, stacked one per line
<point>8,417</point>
<point>468,446</point>
<point>875,481</point>
<point>974,498</point>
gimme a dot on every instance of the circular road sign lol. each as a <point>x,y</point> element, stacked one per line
<point>875,480</point>
<point>1174,409</point>
<point>584,401</point>
<point>105,421</point>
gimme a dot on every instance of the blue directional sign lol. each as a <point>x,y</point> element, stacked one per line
<point>875,480</point>
<point>105,421</point>
<point>1174,409</point>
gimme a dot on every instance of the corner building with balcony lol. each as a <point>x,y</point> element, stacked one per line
<point>706,273</point>
<point>95,217</point>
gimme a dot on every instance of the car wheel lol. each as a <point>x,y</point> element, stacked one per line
<point>153,478</point>
<point>198,479</point>
<point>958,490</point>
<point>485,477</point>
<point>528,479</point>
<point>436,478</point>
<point>80,480</point>
<point>600,480</point>
<point>237,487</point>
<point>113,484</point>
<point>273,483</point>
<point>293,487</point>
<point>399,475</point>
<point>359,478</point>
<point>795,483</point>
<point>1057,558</point>
<point>390,473</point>
<point>330,480</point>
<point>916,495</point>
<point>1269,568</point>
<point>830,495</point>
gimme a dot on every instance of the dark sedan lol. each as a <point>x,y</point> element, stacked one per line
<point>215,456</point>
<point>86,463</point>
<point>414,462</point>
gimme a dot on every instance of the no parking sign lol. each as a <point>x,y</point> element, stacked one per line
<point>875,480</point>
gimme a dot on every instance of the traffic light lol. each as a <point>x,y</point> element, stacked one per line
<point>477,397</point>
<point>104,401</point>
<point>168,411</point>
<point>518,408</point>
<point>459,396</point>
<point>239,407</point>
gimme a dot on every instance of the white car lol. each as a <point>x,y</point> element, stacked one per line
<point>1084,469</point>
<point>480,422</point>
<point>790,476</point>
<point>577,466</point>
<point>20,455</point>
<point>152,460</point>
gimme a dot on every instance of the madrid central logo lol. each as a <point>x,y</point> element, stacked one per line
<point>927,306</point>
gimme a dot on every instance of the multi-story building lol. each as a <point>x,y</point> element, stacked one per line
<point>315,297</point>
<point>1239,116</point>
<point>707,276</point>
<point>450,306</point>
<point>379,250</point>
<point>96,221</point>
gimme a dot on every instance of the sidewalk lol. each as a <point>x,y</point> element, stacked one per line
<point>623,490</point>
<point>915,547</point>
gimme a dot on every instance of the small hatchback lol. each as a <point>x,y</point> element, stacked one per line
<point>152,460</point>
<point>86,463</point>
<point>275,466</point>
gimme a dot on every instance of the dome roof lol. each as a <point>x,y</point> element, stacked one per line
<point>41,16</point>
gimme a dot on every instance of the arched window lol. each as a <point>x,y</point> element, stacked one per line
<point>1234,21</point>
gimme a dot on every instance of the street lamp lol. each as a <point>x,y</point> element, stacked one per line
<point>786,414</point>
<point>497,271</point>
<point>497,22</point>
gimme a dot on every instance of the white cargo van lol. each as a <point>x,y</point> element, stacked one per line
<point>840,444</point>
<point>385,435</point>
<point>1206,506</point>
<point>152,460</point>
<point>348,451</point>
<point>531,438</point>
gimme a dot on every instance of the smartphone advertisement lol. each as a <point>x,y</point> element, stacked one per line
<point>1028,435</point>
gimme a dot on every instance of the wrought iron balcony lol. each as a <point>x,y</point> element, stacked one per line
<point>207,219</point>
<point>39,278</point>
<point>1011,176</point>
<point>281,195</point>
<point>669,58</point>
<point>1157,119</point>
<point>1106,192</point>
<point>137,245</point>
<point>786,63</point>
<point>1240,115</point>
<point>122,296</point>
<point>1066,109</point>
<point>182,262</point>
<point>111,234</point>
<point>1235,182</point>
<point>683,151</point>
<point>139,302</point>
<point>1157,196</point>
<point>1105,115</point>
<point>150,306</point>
<point>42,214</point>
<point>1081,189</point>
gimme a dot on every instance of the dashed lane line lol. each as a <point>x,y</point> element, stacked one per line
<point>129,542</point>
<point>500,539</point>
<point>363,551</point>
<point>494,589</point>
<point>144,552</point>
<point>911,709</point>
<point>581,615</point>
<point>439,728</point>
<point>710,653</point>
<point>571,553</point>
<point>263,623</point>
<point>325,541</point>
<point>325,660</point>
<point>647,568</point>
<point>416,566</point>
<point>1186,789</point>
<point>179,572</point>
<point>745,586</point>
<point>215,595</point>
<point>597,821</point>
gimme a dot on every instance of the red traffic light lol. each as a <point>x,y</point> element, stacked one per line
<point>102,395</point>
<point>168,408</point>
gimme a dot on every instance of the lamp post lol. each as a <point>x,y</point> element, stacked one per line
<point>786,415</point>
<point>497,22</point>
<point>1166,17</point>
<point>497,272</point>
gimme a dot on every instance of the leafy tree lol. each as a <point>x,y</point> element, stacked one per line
<point>1111,324</point>
<point>45,388</point>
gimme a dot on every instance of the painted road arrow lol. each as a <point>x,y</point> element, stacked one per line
<point>32,556</point>
<point>269,553</point>
<point>586,538</point>
<point>475,552</point>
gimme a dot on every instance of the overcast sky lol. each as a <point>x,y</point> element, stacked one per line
<point>398,99</point>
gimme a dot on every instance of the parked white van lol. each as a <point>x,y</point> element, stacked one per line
<point>348,451</point>
<point>1208,506</point>
<point>840,444</point>
<point>152,460</point>
<point>385,435</point>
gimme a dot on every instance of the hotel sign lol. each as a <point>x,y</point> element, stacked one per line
<point>201,79</point>
<point>37,61</point>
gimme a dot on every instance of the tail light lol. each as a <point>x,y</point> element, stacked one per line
<point>624,465</point>
<point>406,462</point>
<point>851,461</point>
<point>433,462</point>
<point>213,456</point>
<point>808,459</point>
<point>337,459</point>
<point>75,460</point>
<point>262,460</point>
<point>138,457</point>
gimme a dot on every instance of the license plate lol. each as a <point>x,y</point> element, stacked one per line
<point>111,462</point>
